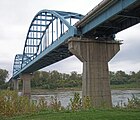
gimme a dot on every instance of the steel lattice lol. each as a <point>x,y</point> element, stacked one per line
<point>46,27</point>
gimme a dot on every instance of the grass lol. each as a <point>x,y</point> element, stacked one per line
<point>12,101</point>
<point>44,91</point>
<point>126,86</point>
<point>82,115</point>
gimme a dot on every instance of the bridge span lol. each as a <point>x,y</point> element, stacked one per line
<point>55,35</point>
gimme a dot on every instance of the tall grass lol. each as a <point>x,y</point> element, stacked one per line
<point>12,105</point>
<point>133,103</point>
<point>77,103</point>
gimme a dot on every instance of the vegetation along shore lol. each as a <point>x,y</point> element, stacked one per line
<point>14,107</point>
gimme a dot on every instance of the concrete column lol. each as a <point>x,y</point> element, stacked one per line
<point>95,56</point>
<point>16,86</point>
<point>26,84</point>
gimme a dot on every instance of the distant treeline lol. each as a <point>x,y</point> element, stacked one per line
<point>55,79</point>
<point>120,77</point>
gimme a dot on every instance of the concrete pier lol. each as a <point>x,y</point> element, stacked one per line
<point>95,56</point>
<point>16,85</point>
<point>26,84</point>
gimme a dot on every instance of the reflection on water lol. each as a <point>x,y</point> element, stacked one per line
<point>118,96</point>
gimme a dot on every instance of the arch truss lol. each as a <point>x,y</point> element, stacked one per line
<point>46,27</point>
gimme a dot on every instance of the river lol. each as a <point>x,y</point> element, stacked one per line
<point>118,96</point>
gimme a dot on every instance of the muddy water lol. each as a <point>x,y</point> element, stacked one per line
<point>118,96</point>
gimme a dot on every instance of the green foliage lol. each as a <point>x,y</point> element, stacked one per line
<point>133,85</point>
<point>12,104</point>
<point>86,102</point>
<point>77,103</point>
<point>120,77</point>
<point>54,79</point>
<point>3,76</point>
<point>133,103</point>
<point>91,114</point>
<point>55,105</point>
<point>42,103</point>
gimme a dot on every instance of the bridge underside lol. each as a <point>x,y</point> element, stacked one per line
<point>54,56</point>
<point>124,19</point>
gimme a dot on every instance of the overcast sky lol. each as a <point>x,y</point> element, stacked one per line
<point>16,16</point>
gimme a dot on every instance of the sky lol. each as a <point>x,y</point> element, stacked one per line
<point>16,16</point>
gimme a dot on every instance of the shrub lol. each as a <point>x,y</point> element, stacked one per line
<point>134,102</point>
<point>55,104</point>
<point>77,104</point>
<point>11,104</point>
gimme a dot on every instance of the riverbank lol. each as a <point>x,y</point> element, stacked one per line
<point>132,86</point>
<point>45,91</point>
<point>113,114</point>
<point>38,91</point>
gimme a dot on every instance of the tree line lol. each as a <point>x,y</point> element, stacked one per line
<point>120,77</point>
<point>55,79</point>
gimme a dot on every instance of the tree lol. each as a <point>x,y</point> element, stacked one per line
<point>73,75</point>
<point>120,77</point>
<point>3,77</point>
<point>137,76</point>
<point>37,79</point>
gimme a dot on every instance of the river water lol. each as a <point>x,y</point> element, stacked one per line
<point>118,96</point>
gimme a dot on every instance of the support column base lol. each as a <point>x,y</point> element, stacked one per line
<point>95,56</point>
<point>16,86</point>
<point>26,84</point>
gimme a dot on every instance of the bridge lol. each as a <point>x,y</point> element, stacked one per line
<point>55,35</point>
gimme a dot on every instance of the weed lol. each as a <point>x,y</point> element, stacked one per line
<point>55,104</point>
<point>134,102</point>
<point>77,104</point>
<point>11,104</point>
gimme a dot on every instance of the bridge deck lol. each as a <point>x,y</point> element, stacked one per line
<point>113,18</point>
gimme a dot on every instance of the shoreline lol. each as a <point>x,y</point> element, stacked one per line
<point>46,91</point>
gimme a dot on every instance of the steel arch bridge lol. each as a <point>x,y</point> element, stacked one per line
<point>49,29</point>
<point>47,38</point>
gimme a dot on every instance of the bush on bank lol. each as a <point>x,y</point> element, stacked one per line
<point>12,105</point>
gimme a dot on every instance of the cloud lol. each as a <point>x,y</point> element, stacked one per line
<point>7,66</point>
<point>128,58</point>
<point>131,45</point>
<point>66,66</point>
<point>126,66</point>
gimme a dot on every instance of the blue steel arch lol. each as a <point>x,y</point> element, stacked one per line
<point>17,63</point>
<point>41,31</point>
